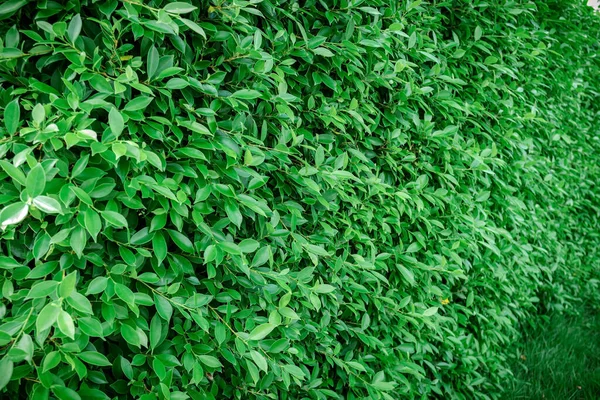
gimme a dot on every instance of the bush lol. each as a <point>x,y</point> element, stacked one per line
<point>270,199</point>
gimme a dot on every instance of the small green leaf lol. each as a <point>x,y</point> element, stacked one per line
<point>97,285</point>
<point>155,331</point>
<point>6,369</point>
<point>74,28</point>
<point>47,317</point>
<point>42,289</point>
<point>261,331</point>
<point>90,326</point>
<point>39,114</point>
<point>210,361</point>
<point>124,293</point>
<point>12,116</point>
<point>130,335</point>
<point>259,360</point>
<point>159,245</point>
<point>47,205</point>
<point>152,62</point>
<point>179,7</point>
<point>93,224</point>
<point>94,358</point>
<point>51,360</point>
<point>324,288</point>
<point>246,94</point>
<point>430,311</point>
<point>163,307</point>
<point>182,241</point>
<point>139,103</point>
<point>478,33</point>
<point>36,181</point>
<point>13,214</point>
<point>8,263</point>
<point>114,218</point>
<point>67,285</point>
<point>65,324</point>
<point>116,122</point>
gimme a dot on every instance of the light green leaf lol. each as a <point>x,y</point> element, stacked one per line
<point>36,181</point>
<point>12,115</point>
<point>47,316</point>
<point>94,358</point>
<point>74,28</point>
<point>261,331</point>
<point>116,122</point>
<point>179,7</point>
<point>65,324</point>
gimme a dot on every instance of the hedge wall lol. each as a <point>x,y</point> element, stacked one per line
<point>272,199</point>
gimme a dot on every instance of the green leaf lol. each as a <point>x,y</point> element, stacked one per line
<point>125,294</point>
<point>97,285</point>
<point>6,365</point>
<point>8,263</point>
<point>114,218</point>
<point>194,27</point>
<point>13,214</point>
<point>116,122</point>
<point>210,361</point>
<point>246,94</point>
<point>12,114</point>
<point>42,289</point>
<point>80,303</point>
<point>65,324</point>
<point>14,172</point>
<point>90,326</point>
<point>51,360</point>
<point>139,103</point>
<point>155,331</point>
<point>178,7</point>
<point>230,248</point>
<point>93,224</point>
<point>38,114</point>
<point>324,288</point>
<point>47,316</point>
<point>65,393</point>
<point>74,28</point>
<point>261,257</point>
<point>47,205</point>
<point>36,181</point>
<point>67,285</point>
<point>233,212</point>
<point>6,10</point>
<point>261,331</point>
<point>248,245</point>
<point>430,311</point>
<point>94,358</point>
<point>259,360</point>
<point>130,335</point>
<point>181,241</point>
<point>163,307</point>
<point>478,33</point>
<point>152,62</point>
<point>288,313</point>
<point>407,274</point>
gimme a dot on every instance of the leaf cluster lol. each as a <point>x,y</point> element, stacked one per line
<point>263,199</point>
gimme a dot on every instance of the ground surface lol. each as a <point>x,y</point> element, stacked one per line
<point>560,360</point>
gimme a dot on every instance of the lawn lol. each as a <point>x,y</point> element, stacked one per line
<point>560,360</point>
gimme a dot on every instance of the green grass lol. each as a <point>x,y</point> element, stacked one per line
<point>560,360</point>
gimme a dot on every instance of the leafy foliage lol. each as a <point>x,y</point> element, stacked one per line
<point>269,199</point>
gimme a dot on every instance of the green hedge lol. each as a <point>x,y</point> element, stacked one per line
<point>270,199</point>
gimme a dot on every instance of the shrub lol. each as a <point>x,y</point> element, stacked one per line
<point>270,199</point>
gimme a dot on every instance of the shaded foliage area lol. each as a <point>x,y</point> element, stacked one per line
<point>285,200</point>
<point>559,359</point>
